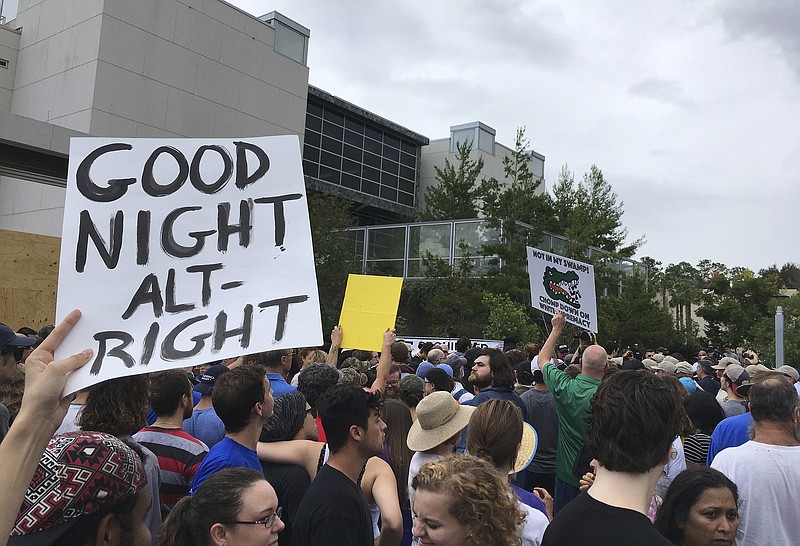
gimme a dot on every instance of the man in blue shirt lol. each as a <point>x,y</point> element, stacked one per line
<point>243,400</point>
<point>277,364</point>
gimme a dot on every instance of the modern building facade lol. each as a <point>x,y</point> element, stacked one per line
<point>361,157</point>
<point>482,138</point>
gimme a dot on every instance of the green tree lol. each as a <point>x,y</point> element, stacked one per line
<point>446,302</point>
<point>682,284</point>
<point>334,252</point>
<point>634,316</point>
<point>456,193</point>
<point>506,319</point>
<point>589,214</point>
<point>506,204</point>
<point>733,305</point>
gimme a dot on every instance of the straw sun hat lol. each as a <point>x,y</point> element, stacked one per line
<point>527,449</point>
<point>439,418</point>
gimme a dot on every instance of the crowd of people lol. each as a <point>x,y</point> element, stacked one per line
<point>471,446</point>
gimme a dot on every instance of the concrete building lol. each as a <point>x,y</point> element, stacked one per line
<point>149,68</point>
<point>484,146</point>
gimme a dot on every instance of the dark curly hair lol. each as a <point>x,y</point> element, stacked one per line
<point>117,406</point>
<point>343,406</point>
<point>315,380</point>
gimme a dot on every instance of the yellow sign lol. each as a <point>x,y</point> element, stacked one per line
<point>369,308</point>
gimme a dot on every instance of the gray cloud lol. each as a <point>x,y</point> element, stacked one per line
<point>776,21</point>
<point>658,89</point>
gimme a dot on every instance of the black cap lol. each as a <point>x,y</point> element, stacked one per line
<point>206,383</point>
<point>9,338</point>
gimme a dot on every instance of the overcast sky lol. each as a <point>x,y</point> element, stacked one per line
<point>690,108</point>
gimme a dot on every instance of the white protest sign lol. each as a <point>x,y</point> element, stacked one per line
<point>563,284</point>
<point>184,251</point>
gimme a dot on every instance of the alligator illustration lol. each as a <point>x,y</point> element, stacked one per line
<point>562,286</point>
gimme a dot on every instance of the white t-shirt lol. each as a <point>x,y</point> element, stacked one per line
<point>534,526</point>
<point>768,480</point>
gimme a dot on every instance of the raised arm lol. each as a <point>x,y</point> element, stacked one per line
<point>546,354</point>
<point>382,372</point>
<point>336,343</point>
<point>41,413</point>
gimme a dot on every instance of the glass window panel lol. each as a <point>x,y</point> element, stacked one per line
<point>390,166</point>
<point>475,235</point>
<point>351,152</point>
<point>390,140</point>
<point>331,160</point>
<point>310,153</point>
<point>313,123</point>
<point>391,153</point>
<point>406,186</point>
<point>371,188</point>
<point>358,242</point>
<point>373,133</point>
<point>407,172</point>
<point>389,180</point>
<point>310,168</point>
<point>408,160</point>
<point>314,108</point>
<point>415,268</point>
<point>559,245</point>
<point>392,268</point>
<point>329,175</point>
<point>481,266</point>
<point>290,43</point>
<point>332,145</point>
<point>388,193</point>
<point>371,174</point>
<point>333,116</point>
<point>351,181</point>
<point>386,243</point>
<point>352,167</point>
<point>433,238</point>
<point>486,141</point>
<point>408,147</point>
<point>354,138</point>
<point>354,125</point>
<point>372,160</point>
<point>405,199</point>
<point>457,137</point>
<point>312,138</point>
<point>332,130</point>
<point>373,146</point>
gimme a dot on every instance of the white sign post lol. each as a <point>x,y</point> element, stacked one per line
<point>184,251</point>
<point>563,284</point>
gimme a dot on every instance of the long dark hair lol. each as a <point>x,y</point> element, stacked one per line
<point>683,492</point>
<point>217,500</point>
<point>397,417</point>
<point>117,406</point>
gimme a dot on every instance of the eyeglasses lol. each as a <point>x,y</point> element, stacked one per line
<point>290,353</point>
<point>266,522</point>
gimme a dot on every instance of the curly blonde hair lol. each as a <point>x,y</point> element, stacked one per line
<point>480,499</point>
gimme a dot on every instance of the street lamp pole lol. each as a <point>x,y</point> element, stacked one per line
<point>778,336</point>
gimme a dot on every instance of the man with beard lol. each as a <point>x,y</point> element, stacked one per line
<point>179,454</point>
<point>765,468</point>
<point>493,376</point>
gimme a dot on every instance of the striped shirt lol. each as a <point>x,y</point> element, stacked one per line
<point>695,447</point>
<point>179,456</point>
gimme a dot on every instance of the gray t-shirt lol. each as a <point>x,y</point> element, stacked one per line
<point>732,407</point>
<point>542,417</point>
